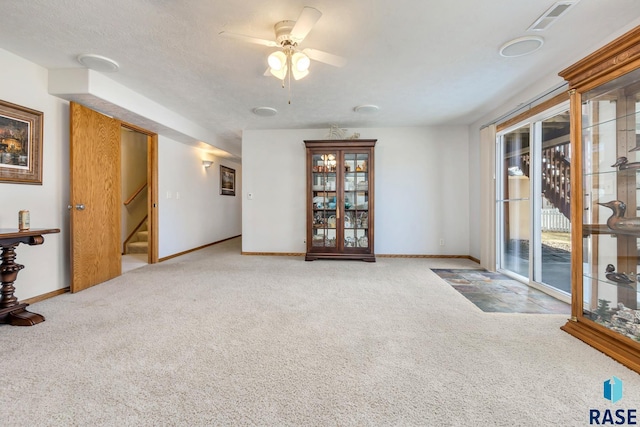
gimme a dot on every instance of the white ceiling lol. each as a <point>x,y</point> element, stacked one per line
<point>423,62</point>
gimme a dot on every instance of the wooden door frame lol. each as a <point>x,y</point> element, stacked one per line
<point>152,189</point>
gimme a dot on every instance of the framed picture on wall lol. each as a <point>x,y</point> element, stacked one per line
<point>20,144</point>
<point>227,181</point>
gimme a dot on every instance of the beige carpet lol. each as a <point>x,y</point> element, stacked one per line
<point>216,338</point>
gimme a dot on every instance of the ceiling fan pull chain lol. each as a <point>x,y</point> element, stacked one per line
<point>289,73</point>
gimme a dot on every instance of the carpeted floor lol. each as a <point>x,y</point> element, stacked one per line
<point>497,293</point>
<point>214,338</point>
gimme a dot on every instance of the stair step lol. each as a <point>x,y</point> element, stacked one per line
<point>137,247</point>
<point>143,236</point>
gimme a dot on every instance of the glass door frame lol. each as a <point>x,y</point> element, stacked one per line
<point>534,278</point>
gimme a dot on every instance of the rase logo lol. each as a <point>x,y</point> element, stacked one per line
<point>613,389</point>
<point>613,393</point>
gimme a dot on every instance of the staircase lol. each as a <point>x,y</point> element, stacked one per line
<point>139,242</point>
<point>556,170</point>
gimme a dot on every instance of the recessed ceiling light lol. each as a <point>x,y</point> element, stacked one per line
<point>98,63</point>
<point>265,111</point>
<point>366,109</point>
<point>521,46</point>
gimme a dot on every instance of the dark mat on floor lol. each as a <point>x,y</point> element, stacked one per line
<point>497,293</point>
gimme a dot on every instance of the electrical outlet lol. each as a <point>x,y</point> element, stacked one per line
<point>441,242</point>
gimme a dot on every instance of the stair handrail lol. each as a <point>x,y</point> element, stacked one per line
<point>555,187</point>
<point>133,233</point>
<point>135,194</point>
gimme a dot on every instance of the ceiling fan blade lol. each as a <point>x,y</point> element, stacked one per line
<point>327,58</point>
<point>307,19</point>
<point>248,39</point>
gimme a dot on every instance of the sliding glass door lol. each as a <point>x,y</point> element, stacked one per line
<point>514,202</point>
<point>553,214</point>
<point>532,203</point>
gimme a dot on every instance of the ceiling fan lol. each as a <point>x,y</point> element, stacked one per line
<point>290,61</point>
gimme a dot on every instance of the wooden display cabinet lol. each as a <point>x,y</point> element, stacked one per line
<point>605,178</point>
<point>340,202</point>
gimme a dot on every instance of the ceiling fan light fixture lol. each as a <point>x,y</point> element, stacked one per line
<point>277,61</point>
<point>300,62</point>
<point>297,75</point>
<point>287,63</point>
<point>279,74</point>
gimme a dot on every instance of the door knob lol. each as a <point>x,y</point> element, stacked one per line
<point>79,207</point>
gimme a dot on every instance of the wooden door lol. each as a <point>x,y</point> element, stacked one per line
<point>95,197</point>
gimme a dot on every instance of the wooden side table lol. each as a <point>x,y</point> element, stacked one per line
<point>11,310</point>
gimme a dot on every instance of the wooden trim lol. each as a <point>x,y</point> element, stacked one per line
<point>537,109</point>
<point>274,253</point>
<point>135,194</point>
<point>137,129</point>
<point>152,197</point>
<point>152,194</point>
<point>135,230</point>
<point>339,143</point>
<point>577,204</point>
<point>366,257</point>
<point>46,296</point>
<point>622,349</point>
<point>427,256</point>
<point>197,249</point>
<point>610,61</point>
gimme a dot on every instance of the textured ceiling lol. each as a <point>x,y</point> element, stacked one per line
<point>422,62</point>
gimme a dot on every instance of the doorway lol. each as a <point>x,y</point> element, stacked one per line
<point>135,195</point>
<point>96,196</point>
<point>532,203</point>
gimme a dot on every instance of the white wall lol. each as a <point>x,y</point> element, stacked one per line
<point>421,190</point>
<point>201,216</point>
<point>46,266</point>
<point>192,212</point>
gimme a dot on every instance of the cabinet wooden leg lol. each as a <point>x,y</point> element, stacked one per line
<point>13,312</point>
<point>24,318</point>
<point>19,316</point>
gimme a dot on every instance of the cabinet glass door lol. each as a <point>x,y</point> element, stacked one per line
<point>324,190</point>
<point>356,201</point>
<point>611,228</point>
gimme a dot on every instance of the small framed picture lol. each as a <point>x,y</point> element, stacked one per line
<point>20,144</point>
<point>227,181</point>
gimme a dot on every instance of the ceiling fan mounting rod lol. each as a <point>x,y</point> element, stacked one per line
<point>289,46</point>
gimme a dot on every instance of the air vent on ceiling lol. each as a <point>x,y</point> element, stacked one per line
<point>551,15</point>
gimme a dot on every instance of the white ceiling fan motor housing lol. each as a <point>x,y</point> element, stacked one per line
<point>283,32</point>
